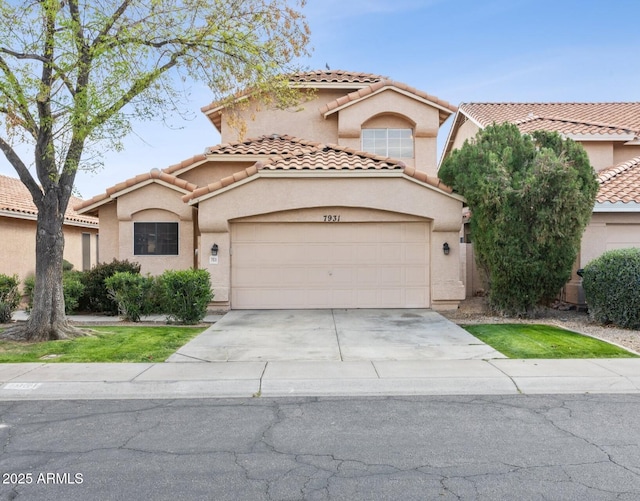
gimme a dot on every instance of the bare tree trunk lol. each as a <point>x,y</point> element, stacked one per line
<point>47,320</point>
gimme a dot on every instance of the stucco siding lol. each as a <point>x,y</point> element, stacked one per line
<point>354,200</point>
<point>109,233</point>
<point>622,153</point>
<point>466,131</point>
<point>608,231</point>
<point>600,154</point>
<point>391,109</point>
<point>155,203</point>
<point>18,246</point>
<point>302,121</point>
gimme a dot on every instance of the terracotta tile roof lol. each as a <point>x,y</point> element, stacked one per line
<point>16,198</point>
<point>132,182</point>
<point>446,108</point>
<point>366,83</point>
<point>578,119</point>
<point>321,158</point>
<point>335,77</point>
<point>272,144</point>
<point>620,183</point>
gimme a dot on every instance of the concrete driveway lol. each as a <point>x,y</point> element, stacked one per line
<point>337,335</point>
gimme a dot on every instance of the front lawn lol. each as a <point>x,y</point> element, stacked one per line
<point>543,341</point>
<point>109,344</point>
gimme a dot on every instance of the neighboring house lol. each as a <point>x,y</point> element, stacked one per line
<point>18,216</point>
<point>332,204</point>
<point>610,134</point>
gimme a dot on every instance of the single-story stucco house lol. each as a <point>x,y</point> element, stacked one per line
<point>332,204</point>
<point>610,134</point>
<point>18,215</point>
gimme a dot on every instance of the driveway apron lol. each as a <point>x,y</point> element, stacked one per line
<point>333,335</point>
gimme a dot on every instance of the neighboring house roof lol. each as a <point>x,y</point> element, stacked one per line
<point>322,158</point>
<point>620,184</point>
<point>365,85</point>
<point>16,201</point>
<point>590,121</point>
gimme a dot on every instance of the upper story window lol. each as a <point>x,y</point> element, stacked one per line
<point>155,239</point>
<point>393,143</point>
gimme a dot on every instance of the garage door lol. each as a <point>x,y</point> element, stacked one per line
<point>329,265</point>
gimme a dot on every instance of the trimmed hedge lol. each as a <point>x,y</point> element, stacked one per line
<point>187,293</point>
<point>611,284</point>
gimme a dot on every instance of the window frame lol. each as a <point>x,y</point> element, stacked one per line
<point>378,140</point>
<point>136,245</point>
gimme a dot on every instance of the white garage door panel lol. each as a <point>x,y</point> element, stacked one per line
<point>330,265</point>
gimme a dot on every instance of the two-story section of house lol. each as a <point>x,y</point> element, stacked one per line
<point>610,134</point>
<point>333,203</point>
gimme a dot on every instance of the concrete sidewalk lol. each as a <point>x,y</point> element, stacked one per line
<point>321,353</point>
<point>36,381</point>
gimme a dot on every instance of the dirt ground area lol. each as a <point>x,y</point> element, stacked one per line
<point>474,311</point>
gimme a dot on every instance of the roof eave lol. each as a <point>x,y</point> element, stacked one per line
<point>600,137</point>
<point>384,89</point>
<point>616,207</point>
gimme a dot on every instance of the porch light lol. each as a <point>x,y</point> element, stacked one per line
<point>214,250</point>
<point>446,248</point>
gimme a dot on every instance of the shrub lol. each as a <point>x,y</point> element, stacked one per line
<point>611,284</point>
<point>72,288</point>
<point>95,296</point>
<point>186,295</point>
<point>153,297</point>
<point>128,290</point>
<point>9,297</point>
<point>28,286</point>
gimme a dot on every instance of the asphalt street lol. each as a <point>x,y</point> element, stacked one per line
<point>558,447</point>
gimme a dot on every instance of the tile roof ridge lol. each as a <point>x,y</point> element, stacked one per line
<point>610,173</point>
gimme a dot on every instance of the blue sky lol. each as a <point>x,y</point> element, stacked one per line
<point>457,50</point>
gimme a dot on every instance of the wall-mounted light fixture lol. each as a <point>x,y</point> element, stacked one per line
<point>446,248</point>
<point>214,250</point>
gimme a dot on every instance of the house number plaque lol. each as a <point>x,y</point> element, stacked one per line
<point>331,218</point>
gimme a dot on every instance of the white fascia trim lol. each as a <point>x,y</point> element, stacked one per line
<point>19,215</point>
<point>599,137</point>
<point>616,207</point>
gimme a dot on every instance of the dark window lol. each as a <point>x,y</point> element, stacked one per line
<point>156,239</point>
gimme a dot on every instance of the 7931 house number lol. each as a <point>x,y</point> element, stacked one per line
<point>331,218</point>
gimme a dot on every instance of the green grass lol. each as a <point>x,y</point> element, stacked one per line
<point>543,341</point>
<point>108,344</point>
